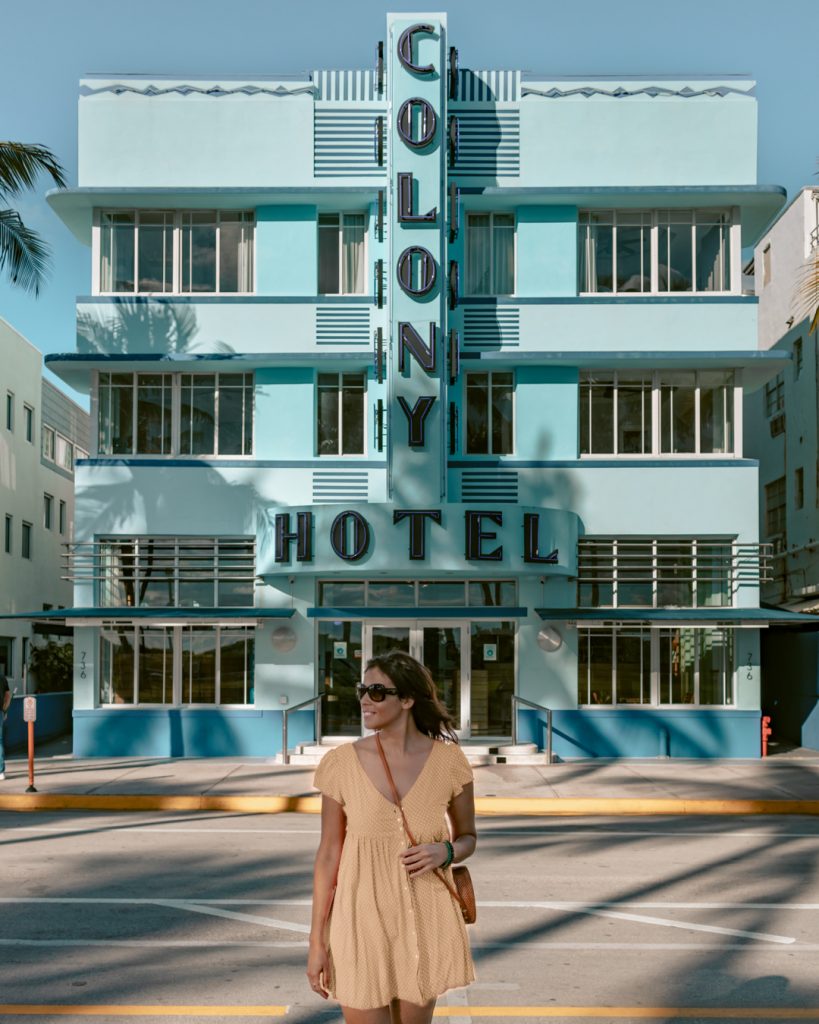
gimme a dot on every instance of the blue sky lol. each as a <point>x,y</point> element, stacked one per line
<point>49,44</point>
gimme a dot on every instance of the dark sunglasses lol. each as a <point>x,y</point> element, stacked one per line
<point>376,691</point>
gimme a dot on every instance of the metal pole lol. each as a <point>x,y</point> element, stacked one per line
<point>31,788</point>
<point>285,756</point>
<point>549,736</point>
<point>514,722</point>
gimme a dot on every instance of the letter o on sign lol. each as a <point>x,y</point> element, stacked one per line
<point>429,122</point>
<point>428,270</point>
<point>339,536</point>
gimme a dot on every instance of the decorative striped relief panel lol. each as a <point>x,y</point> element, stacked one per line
<point>334,485</point>
<point>489,485</point>
<point>488,86</point>
<point>491,327</point>
<point>342,325</point>
<point>489,143</point>
<point>344,142</point>
<point>345,86</point>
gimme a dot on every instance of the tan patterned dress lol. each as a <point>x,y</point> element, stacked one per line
<point>391,936</point>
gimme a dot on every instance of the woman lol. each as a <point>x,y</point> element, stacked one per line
<point>396,938</point>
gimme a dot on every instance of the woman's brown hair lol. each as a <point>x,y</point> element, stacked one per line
<point>412,679</point>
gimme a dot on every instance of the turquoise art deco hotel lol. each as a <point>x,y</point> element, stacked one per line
<point>424,357</point>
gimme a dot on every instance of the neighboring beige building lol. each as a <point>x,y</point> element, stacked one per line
<point>782,419</point>
<point>42,434</point>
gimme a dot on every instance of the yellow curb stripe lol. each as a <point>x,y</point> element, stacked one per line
<point>128,1010</point>
<point>486,806</point>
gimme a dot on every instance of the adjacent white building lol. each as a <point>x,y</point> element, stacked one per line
<point>783,417</point>
<point>42,434</point>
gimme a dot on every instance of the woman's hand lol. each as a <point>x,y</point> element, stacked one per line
<point>318,968</point>
<point>418,860</point>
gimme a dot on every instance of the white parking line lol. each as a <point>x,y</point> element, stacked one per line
<point>233,915</point>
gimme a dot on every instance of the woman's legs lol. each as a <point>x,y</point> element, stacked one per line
<point>411,1013</point>
<point>379,1016</point>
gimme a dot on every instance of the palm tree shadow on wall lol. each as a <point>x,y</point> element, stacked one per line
<point>139,327</point>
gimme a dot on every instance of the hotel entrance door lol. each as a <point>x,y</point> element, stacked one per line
<point>441,646</point>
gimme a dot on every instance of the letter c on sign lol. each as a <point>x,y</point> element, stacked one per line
<point>405,49</point>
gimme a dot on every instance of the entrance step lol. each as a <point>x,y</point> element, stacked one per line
<point>310,754</point>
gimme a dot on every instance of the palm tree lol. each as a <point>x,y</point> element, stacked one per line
<point>22,250</point>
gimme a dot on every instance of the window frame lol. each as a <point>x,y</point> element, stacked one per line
<point>339,375</point>
<point>514,228</point>
<point>48,511</point>
<point>10,411</point>
<point>656,380</point>
<point>656,634</point>
<point>177,229</point>
<point>62,520</point>
<point>656,221</point>
<point>8,535</point>
<point>342,215</point>
<point>49,443</point>
<point>99,407</point>
<point>27,540</point>
<point>28,422</point>
<point>177,654</point>
<point>465,406</point>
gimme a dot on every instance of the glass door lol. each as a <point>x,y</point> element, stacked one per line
<point>440,646</point>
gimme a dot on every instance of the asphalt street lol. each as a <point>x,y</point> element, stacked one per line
<point>205,917</point>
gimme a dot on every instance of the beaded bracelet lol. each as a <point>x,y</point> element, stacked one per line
<point>450,853</point>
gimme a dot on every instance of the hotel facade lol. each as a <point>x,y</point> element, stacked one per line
<point>423,357</point>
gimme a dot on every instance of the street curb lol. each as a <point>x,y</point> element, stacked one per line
<point>485,806</point>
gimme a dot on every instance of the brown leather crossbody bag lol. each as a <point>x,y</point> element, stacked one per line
<point>462,892</point>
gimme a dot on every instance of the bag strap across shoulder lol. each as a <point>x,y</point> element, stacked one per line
<point>397,801</point>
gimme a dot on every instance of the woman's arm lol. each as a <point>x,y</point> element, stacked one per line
<point>333,829</point>
<point>461,813</point>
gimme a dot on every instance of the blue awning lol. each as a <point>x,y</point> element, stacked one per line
<point>450,612</point>
<point>752,617</point>
<point>147,614</point>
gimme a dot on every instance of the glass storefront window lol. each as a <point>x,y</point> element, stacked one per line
<point>341,595</point>
<point>391,593</point>
<point>340,655</point>
<point>139,665</point>
<point>493,677</point>
<point>492,593</point>
<point>432,593</point>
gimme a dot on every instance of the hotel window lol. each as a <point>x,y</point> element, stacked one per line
<point>766,265</point>
<point>182,665</point>
<point>797,358</point>
<point>188,251</point>
<point>799,488</point>
<point>643,413</point>
<point>659,667</point>
<point>25,542</point>
<point>28,417</point>
<point>490,413</point>
<point>65,453</point>
<point>775,395</point>
<point>659,251</point>
<point>637,572</point>
<point>9,410</point>
<point>63,517</point>
<point>490,254</point>
<point>775,512</point>
<point>48,511</point>
<point>340,413</point>
<point>49,448</point>
<point>341,253</point>
<point>7,538</point>
<point>176,572</point>
<point>138,413</point>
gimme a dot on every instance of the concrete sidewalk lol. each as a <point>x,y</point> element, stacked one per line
<point>785,783</point>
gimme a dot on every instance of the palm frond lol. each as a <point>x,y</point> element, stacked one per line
<point>22,163</point>
<point>23,254</point>
<point>808,292</point>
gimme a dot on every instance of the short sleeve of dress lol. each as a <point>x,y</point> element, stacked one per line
<point>329,776</point>
<point>461,770</point>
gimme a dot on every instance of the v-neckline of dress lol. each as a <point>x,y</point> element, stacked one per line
<point>417,779</point>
